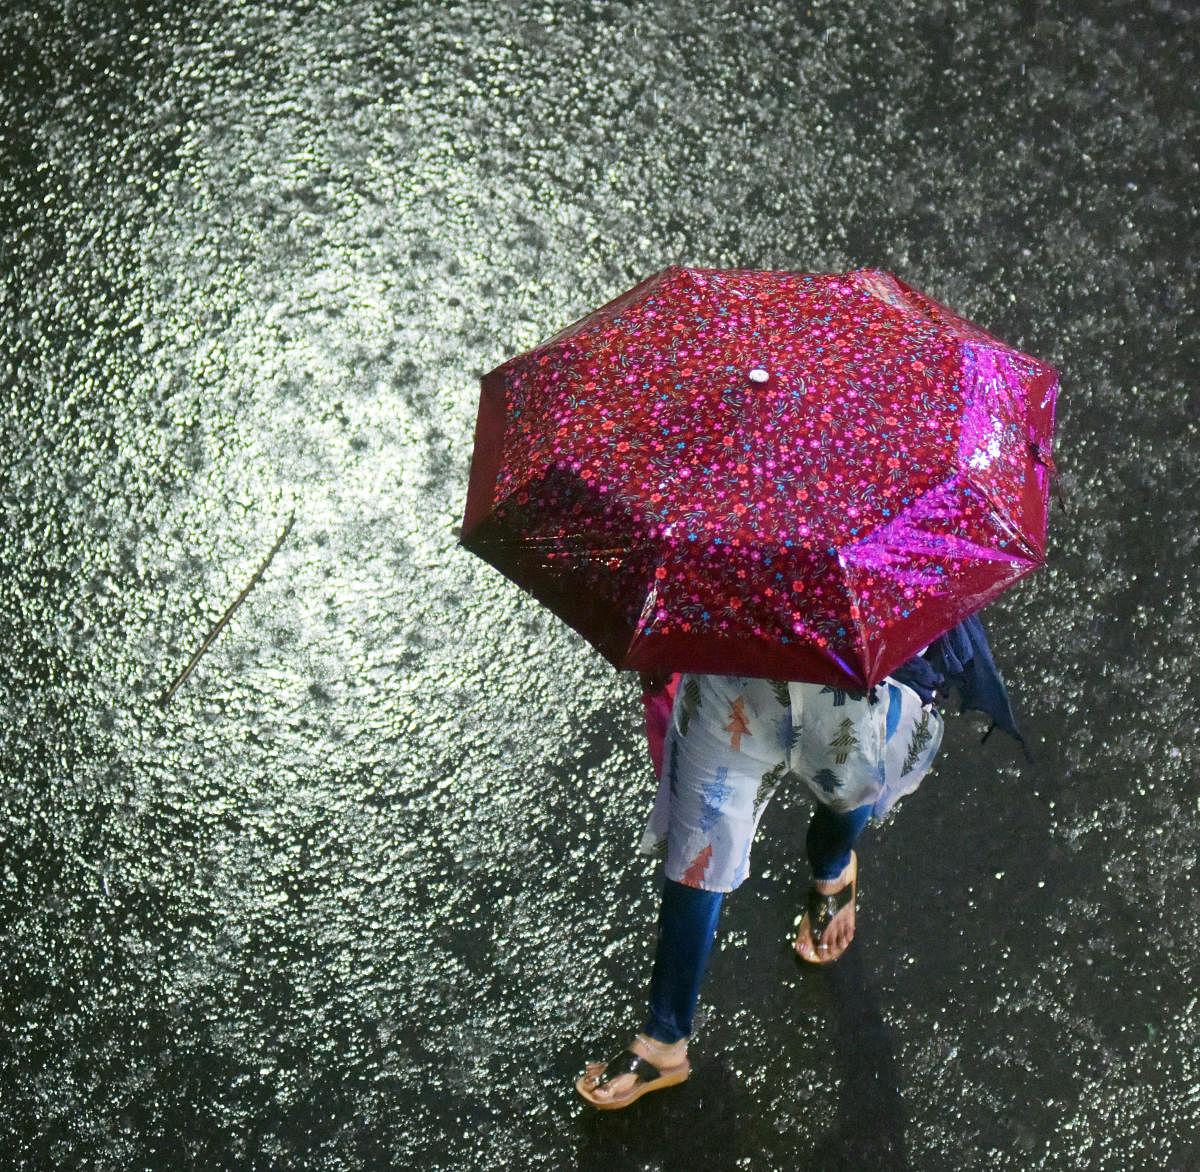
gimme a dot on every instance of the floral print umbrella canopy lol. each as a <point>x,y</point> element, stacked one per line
<point>777,474</point>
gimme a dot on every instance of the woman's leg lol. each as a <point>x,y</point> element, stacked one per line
<point>859,754</point>
<point>831,838</point>
<point>687,926</point>
<point>713,792</point>
<point>830,843</point>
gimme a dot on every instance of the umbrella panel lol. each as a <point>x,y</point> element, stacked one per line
<point>821,522</point>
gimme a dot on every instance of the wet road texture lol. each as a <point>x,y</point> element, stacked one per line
<point>363,895</point>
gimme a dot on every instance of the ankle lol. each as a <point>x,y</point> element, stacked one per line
<point>837,882</point>
<point>662,1049</point>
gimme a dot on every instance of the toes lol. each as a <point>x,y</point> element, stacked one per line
<point>803,942</point>
<point>594,1072</point>
<point>836,937</point>
<point>618,1086</point>
<point>834,940</point>
<point>839,935</point>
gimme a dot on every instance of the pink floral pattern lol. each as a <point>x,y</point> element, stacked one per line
<point>776,474</point>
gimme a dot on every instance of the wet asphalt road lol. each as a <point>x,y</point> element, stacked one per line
<point>363,896</point>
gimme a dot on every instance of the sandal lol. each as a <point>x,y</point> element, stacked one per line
<point>649,1078</point>
<point>820,913</point>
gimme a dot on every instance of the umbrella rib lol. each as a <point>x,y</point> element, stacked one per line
<point>555,543</point>
<point>860,625</point>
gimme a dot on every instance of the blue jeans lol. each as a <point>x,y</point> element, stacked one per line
<point>687,925</point>
<point>831,837</point>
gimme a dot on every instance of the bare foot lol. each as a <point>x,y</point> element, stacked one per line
<point>839,931</point>
<point>669,1058</point>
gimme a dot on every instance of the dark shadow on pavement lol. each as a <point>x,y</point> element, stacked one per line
<point>868,1130</point>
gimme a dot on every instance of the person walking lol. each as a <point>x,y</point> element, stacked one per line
<point>722,746</point>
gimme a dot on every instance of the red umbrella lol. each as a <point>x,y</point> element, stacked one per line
<point>773,474</point>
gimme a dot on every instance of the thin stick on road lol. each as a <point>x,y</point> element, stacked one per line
<point>219,626</point>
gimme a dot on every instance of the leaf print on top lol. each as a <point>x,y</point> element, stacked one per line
<point>691,704</point>
<point>840,694</point>
<point>738,725</point>
<point>921,737</point>
<point>788,734</point>
<point>714,795</point>
<point>694,875</point>
<point>827,780</point>
<point>768,785</point>
<point>844,742</point>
